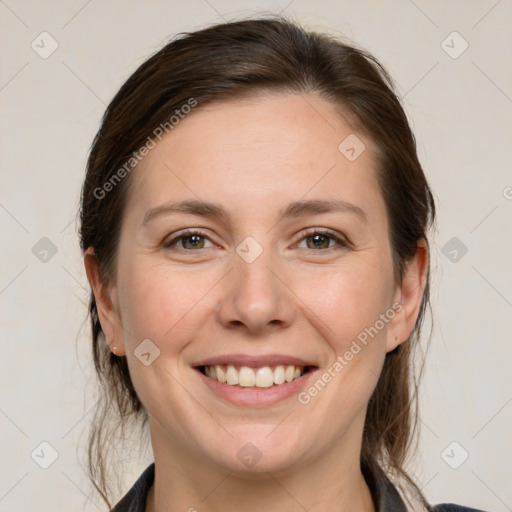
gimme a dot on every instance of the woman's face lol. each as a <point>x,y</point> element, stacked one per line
<point>219,264</point>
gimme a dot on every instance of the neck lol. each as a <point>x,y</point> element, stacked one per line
<point>328,482</point>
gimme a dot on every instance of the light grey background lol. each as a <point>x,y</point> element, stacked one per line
<point>461,111</point>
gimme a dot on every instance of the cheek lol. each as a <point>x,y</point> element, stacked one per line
<point>348,300</point>
<point>164,306</point>
<point>346,308</point>
<point>157,303</point>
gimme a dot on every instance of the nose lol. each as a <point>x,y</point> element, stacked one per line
<point>256,298</point>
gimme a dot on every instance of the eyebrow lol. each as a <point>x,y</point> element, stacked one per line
<point>291,210</point>
<point>191,206</point>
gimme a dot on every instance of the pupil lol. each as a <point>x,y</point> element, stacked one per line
<point>318,240</point>
<point>194,240</point>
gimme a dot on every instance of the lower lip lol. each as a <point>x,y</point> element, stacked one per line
<point>257,397</point>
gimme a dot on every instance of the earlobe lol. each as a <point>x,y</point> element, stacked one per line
<point>409,296</point>
<point>106,305</point>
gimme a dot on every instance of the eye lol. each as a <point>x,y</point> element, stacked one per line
<point>320,239</point>
<point>189,239</point>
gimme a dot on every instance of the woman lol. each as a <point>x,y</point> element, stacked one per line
<point>254,225</point>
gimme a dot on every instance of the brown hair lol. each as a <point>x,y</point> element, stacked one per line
<point>231,60</point>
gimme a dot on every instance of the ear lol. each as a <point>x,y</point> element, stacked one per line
<point>409,295</point>
<point>106,304</point>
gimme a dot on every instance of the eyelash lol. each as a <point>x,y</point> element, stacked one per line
<point>185,234</point>
<point>342,242</point>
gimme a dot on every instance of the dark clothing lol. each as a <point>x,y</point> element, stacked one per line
<point>384,493</point>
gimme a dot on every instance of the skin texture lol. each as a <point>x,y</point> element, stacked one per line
<point>254,157</point>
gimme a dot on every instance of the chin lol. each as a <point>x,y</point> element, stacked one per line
<point>258,449</point>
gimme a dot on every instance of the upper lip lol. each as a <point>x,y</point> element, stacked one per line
<point>254,361</point>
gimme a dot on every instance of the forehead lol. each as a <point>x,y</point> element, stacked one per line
<point>264,148</point>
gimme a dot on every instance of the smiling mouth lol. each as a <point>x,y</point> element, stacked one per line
<point>262,377</point>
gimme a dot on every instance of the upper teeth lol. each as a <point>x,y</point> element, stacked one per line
<point>263,377</point>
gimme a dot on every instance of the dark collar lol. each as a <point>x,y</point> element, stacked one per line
<point>135,499</point>
<point>385,496</point>
<point>384,493</point>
